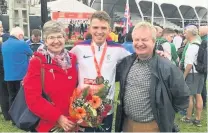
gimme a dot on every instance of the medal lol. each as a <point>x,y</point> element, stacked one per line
<point>99,80</point>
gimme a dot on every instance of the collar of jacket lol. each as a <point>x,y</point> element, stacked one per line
<point>14,37</point>
<point>153,63</point>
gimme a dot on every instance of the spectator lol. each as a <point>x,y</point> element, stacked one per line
<point>168,46</point>
<point>113,36</point>
<point>88,36</point>
<point>194,80</point>
<point>16,54</point>
<point>35,40</point>
<point>4,36</point>
<point>159,31</point>
<point>60,80</point>
<point>82,28</point>
<point>203,32</point>
<point>177,40</point>
<point>128,44</point>
<point>70,27</point>
<point>4,96</point>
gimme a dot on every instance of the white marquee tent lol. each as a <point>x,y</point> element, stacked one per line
<point>64,6</point>
<point>69,6</point>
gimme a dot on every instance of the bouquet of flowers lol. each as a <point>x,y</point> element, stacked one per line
<point>89,109</point>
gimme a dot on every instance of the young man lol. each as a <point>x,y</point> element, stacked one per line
<point>168,47</point>
<point>97,59</point>
<point>35,40</point>
<point>194,80</point>
<point>152,89</point>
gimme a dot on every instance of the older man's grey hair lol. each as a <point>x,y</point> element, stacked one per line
<point>51,27</point>
<point>17,31</point>
<point>0,22</point>
<point>192,29</point>
<point>146,25</point>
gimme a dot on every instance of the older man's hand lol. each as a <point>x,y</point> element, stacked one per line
<point>162,54</point>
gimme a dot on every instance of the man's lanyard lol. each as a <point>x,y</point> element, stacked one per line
<point>99,66</point>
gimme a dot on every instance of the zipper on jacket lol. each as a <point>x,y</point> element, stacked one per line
<point>98,48</point>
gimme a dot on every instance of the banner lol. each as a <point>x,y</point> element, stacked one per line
<point>66,17</point>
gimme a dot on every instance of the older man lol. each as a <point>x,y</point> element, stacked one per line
<point>194,80</point>
<point>15,61</point>
<point>152,89</point>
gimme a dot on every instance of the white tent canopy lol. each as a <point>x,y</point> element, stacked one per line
<point>69,6</point>
<point>63,6</point>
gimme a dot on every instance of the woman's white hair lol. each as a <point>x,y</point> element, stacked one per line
<point>17,31</point>
<point>192,29</point>
<point>146,25</point>
<point>53,27</point>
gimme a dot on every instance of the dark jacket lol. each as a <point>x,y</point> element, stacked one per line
<point>35,46</point>
<point>5,37</point>
<point>169,92</point>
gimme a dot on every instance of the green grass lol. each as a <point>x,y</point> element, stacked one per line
<point>6,126</point>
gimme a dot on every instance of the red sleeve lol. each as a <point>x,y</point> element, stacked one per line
<point>32,88</point>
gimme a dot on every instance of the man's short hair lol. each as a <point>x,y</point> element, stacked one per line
<point>0,22</point>
<point>146,25</point>
<point>101,15</point>
<point>36,32</point>
<point>176,31</point>
<point>168,31</point>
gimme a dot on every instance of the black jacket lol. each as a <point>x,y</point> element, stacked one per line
<point>5,37</point>
<point>169,92</point>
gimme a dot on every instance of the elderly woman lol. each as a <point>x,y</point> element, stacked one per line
<point>60,79</point>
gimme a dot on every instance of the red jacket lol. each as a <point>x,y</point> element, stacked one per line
<point>59,86</point>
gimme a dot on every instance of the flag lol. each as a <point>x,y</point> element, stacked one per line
<point>127,23</point>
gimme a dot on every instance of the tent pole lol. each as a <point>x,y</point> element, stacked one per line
<point>139,8</point>
<point>153,6</point>
<point>197,17</point>
<point>163,16</point>
<point>101,5</point>
<point>181,18</point>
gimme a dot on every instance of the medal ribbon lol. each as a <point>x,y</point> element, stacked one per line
<point>99,66</point>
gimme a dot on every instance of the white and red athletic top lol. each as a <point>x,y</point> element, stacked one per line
<point>86,68</point>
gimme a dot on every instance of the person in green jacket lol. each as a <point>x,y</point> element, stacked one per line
<point>167,46</point>
<point>203,32</point>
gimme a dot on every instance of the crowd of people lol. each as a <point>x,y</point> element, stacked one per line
<point>160,71</point>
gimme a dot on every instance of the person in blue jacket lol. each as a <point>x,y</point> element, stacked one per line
<point>16,54</point>
<point>128,44</point>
